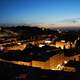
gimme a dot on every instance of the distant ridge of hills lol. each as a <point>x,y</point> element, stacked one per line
<point>67,23</point>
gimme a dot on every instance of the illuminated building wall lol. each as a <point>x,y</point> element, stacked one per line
<point>55,61</point>
<point>51,63</point>
<point>41,64</point>
<point>62,44</point>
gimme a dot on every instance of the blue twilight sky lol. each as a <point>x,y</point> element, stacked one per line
<point>38,11</point>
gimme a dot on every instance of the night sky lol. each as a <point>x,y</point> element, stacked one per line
<point>38,11</point>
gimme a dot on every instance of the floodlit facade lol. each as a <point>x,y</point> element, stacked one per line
<point>61,44</point>
<point>56,62</point>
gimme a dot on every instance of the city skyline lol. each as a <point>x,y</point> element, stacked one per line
<point>39,11</point>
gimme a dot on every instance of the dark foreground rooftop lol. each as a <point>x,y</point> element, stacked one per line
<point>16,72</point>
